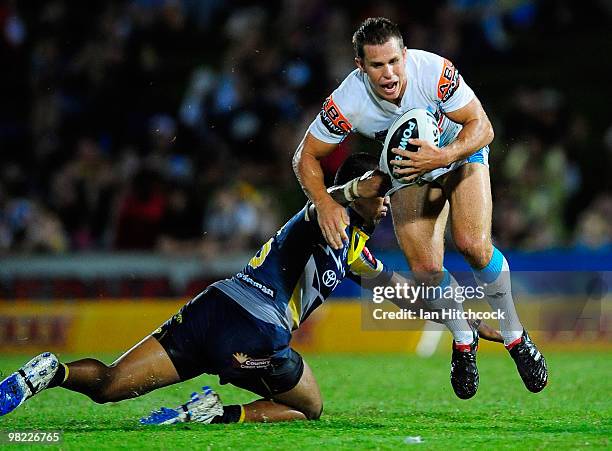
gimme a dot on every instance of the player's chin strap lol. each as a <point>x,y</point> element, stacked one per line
<point>347,193</point>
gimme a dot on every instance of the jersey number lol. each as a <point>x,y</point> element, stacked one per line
<point>260,256</point>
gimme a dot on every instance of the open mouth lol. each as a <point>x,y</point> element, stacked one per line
<point>389,88</point>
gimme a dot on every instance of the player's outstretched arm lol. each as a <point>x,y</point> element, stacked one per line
<point>332,217</point>
<point>373,183</point>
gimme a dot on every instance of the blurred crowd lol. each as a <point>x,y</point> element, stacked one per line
<point>169,125</point>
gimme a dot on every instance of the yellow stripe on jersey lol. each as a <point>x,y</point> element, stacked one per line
<point>295,303</point>
<point>358,241</point>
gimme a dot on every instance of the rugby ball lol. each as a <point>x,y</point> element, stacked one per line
<point>415,123</point>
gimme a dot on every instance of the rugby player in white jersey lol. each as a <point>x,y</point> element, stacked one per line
<point>433,182</point>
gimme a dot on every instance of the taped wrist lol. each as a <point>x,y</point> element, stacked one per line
<point>347,193</point>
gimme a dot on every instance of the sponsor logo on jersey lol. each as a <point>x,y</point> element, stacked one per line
<point>255,283</point>
<point>329,278</point>
<point>245,362</point>
<point>333,119</point>
<point>449,81</point>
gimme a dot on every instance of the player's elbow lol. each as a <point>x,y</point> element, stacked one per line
<point>297,161</point>
<point>488,132</point>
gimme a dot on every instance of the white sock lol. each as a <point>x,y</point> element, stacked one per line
<point>495,280</point>
<point>459,327</point>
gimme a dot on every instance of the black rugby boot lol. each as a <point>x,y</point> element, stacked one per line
<point>464,372</point>
<point>530,363</point>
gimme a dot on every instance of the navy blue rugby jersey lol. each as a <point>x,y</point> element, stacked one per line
<point>296,270</point>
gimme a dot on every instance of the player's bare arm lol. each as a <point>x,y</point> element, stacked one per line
<point>477,132</point>
<point>371,184</point>
<point>332,216</point>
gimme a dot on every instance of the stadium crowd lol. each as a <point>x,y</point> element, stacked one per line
<point>170,125</point>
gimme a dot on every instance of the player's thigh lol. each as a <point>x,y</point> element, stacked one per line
<point>145,367</point>
<point>468,190</point>
<point>305,396</point>
<point>419,218</point>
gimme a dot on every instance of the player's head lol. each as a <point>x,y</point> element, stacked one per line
<point>380,53</point>
<point>372,210</point>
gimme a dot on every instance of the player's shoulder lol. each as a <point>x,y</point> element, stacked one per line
<point>351,93</point>
<point>424,60</point>
<point>342,109</point>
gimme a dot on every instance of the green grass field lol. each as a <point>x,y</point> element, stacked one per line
<point>371,402</point>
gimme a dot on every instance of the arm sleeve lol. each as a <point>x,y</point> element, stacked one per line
<point>451,91</point>
<point>368,268</point>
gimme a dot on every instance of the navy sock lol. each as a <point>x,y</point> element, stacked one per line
<point>59,377</point>
<point>231,414</point>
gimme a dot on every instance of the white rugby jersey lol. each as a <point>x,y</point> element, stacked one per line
<point>433,83</point>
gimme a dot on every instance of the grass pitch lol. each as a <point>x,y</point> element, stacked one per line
<point>371,402</point>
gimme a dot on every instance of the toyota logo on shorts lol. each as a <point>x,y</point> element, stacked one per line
<point>329,278</point>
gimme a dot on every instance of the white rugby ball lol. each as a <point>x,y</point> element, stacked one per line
<point>416,123</point>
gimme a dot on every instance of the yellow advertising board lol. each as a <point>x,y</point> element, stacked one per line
<point>91,326</point>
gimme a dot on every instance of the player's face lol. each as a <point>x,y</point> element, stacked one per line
<point>372,210</point>
<point>385,66</point>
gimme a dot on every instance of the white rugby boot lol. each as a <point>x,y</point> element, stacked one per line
<point>201,408</point>
<point>29,380</point>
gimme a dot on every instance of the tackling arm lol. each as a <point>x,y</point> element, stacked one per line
<point>332,217</point>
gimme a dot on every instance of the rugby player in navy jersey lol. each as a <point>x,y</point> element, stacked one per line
<point>239,328</point>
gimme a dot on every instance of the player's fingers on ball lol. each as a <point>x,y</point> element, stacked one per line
<point>409,179</point>
<point>398,163</point>
<point>402,152</point>
<point>417,142</point>
<point>406,171</point>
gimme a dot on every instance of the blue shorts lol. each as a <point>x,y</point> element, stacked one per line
<point>213,334</point>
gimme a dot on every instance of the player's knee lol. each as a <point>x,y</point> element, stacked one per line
<point>103,391</point>
<point>427,272</point>
<point>426,268</point>
<point>313,411</point>
<point>476,250</point>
